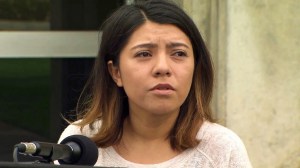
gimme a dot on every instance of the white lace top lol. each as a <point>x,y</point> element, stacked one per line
<point>219,148</point>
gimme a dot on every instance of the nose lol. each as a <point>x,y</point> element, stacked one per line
<point>161,66</point>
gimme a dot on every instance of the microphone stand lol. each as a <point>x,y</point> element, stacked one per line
<point>40,160</point>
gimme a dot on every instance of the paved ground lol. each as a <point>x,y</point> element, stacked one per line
<point>11,135</point>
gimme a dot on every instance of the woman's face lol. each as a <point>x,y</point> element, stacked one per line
<point>156,69</point>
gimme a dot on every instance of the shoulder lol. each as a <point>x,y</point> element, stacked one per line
<point>222,145</point>
<point>75,129</point>
<point>217,133</point>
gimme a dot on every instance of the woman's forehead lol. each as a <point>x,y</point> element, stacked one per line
<point>151,32</point>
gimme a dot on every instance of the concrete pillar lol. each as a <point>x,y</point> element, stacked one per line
<point>255,48</point>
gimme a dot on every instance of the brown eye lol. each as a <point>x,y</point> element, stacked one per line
<point>180,54</point>
<point>143,54</point>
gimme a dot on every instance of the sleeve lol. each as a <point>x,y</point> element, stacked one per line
<point>238,155</point>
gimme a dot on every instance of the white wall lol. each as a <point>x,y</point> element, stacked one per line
<point>256,50</point>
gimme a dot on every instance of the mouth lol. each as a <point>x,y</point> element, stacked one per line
<point>163,87</point>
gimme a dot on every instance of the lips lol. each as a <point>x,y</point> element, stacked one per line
<point>163,87</point>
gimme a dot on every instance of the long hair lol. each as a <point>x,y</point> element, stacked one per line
<point>103,100</point>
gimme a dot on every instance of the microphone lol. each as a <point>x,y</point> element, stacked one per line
<point>75,149</point>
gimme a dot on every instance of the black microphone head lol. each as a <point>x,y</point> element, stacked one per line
<point>88,154</point>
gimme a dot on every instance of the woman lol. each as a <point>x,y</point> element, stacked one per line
<point>147,102</point>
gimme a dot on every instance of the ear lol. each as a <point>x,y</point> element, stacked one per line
<point>114,72</point>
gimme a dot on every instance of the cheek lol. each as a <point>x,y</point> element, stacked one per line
<point>134,88</point>
<point>133,79</point>
<point>186,78</point>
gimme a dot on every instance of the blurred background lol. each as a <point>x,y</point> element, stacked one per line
<point>47,48</point>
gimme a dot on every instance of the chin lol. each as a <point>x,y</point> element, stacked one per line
<point>163,110</point>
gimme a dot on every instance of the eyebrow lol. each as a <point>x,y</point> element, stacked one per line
<point>177,44</point>
<point>144,45</point>
<point>152,45</point>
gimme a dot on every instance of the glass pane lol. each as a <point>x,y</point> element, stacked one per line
<point>24,102</point>
<point>25,93</point>
<point>24,14</point>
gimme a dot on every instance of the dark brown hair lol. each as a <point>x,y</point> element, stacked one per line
<point>108,103</point>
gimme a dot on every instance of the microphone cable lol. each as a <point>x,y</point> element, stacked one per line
<point>15,154</point>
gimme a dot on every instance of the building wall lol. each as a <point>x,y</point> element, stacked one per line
<point>255,46</point>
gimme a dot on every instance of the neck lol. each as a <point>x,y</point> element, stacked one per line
<point>145,138</point>
<point>150,127</point>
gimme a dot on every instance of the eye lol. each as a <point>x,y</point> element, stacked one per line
<point>180,54</point>
<point>143,54</point>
